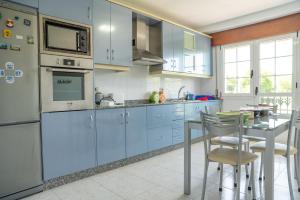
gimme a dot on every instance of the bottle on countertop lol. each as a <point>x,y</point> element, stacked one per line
<point>162,96</point>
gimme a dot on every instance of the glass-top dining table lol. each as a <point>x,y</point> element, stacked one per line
<point>268,128</point>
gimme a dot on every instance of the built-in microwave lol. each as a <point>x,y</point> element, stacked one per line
<point>63,37</point>
<point>66,83</point>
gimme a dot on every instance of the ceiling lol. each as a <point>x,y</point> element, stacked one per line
<point>199,13</point>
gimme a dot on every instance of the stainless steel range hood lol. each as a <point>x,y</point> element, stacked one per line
<point>141,40</point>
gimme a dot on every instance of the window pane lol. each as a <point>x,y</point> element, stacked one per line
<point>284,65</point>
<point>188,62</point>
<point>267,84</point>
<point>230,85</point>
<point>284,83</point>
<point>267,67</point>
<point>230,55</point>
<point>243,53</point>
<point>244,85</point>
<point>243,69</point>
<point>199,60</point>
<point>284,47</point>
<point>230,70</point>
<point>267,50</point>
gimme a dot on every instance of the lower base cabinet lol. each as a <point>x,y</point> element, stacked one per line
<point>69,142</point>
<point>110,125</point>
<point>178,131</point>
<point>159,137</point>
<point>136,132</point>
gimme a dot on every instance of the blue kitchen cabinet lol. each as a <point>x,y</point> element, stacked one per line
<point>159,115</point>
<point>159,126</point>
<point>192,112</point>
<point>203,62</point>
<point>159,137</point>
<point>121,35</point>
<point>177,123</point>
<point>68,142</point>
<point>110,124</point>
<point>74,10</point>
<point>178,41</point>
<point>172,39</point>
<point>177,131</point>
<point>167,45</point>
<point>101,21</point>
<point>136,137</point>
<point>32,3</point>
<point>112,34</point>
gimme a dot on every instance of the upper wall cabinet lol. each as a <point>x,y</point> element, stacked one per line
<point>32,3</point>
<point>74,10</point>
<point>203,64</point>
<point>172,39</point>
<point>112,34</point>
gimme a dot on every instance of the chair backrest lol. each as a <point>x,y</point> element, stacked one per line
<point>213,109</point>
<point>213,126</point>
<point>295,118</point>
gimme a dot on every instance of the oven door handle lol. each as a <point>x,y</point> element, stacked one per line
<point>49,69</point>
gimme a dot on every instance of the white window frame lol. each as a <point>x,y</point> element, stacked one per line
<point>222,69</point>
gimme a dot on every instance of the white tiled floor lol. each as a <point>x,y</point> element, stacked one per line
<point>161,178</point>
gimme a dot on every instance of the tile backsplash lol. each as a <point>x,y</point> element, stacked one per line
<point>138,83</point>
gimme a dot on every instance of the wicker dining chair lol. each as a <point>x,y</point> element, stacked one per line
<point>286,150</point>
<point>214,126</point>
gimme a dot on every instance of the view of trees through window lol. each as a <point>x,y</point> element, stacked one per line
<point>237,69</point>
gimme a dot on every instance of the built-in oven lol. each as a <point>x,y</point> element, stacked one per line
<point>66,83</point>
<point>63,37</point>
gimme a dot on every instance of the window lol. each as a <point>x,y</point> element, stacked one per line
<point>276,66</point>
<point>237,69</point>
<point>276,73</point>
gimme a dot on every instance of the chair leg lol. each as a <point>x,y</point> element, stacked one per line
<point>221,177</point>
<point>246,146</point>
<point>253,181</point>
<point>234,176</point>
<point>261,166</point>
<point>238,182</point>
<point>297,170</point>
<point>290,177</point>
<point>204,180</point>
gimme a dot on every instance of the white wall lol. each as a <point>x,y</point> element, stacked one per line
<point>138,83</point>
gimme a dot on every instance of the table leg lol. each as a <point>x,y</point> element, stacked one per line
<point>269,166</point>
<point>187,159</point>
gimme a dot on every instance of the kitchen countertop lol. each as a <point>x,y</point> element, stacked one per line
<point>140,103</point>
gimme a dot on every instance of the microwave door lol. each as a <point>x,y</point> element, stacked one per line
<point>62,38</point>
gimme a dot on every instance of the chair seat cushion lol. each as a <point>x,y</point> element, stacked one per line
<point>280,149</point>
<point>227,141</point>
<point>230,156</point>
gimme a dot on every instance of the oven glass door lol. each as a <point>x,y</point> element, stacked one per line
<point>68,86</point>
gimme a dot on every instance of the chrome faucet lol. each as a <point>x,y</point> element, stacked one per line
<point>179,91</point>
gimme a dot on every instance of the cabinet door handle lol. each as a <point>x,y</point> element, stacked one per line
<point>127,116</point>
<point>107,54</point>
<point>91,121</point>
<point>256,91</point>
<point>112,54</point>
<point>89,13</point>
<point>122,118</point>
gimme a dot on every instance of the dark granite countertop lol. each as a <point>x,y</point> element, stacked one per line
<point>140,103</point>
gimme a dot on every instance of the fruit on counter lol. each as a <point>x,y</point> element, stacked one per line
<point>154,97</point>
<point>162,96</point>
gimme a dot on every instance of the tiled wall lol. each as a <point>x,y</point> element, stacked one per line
<point>138,83</point>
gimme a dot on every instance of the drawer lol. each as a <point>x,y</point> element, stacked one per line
<point>158,116</point>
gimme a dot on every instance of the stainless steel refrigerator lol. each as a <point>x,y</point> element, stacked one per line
<point>20,146</point>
